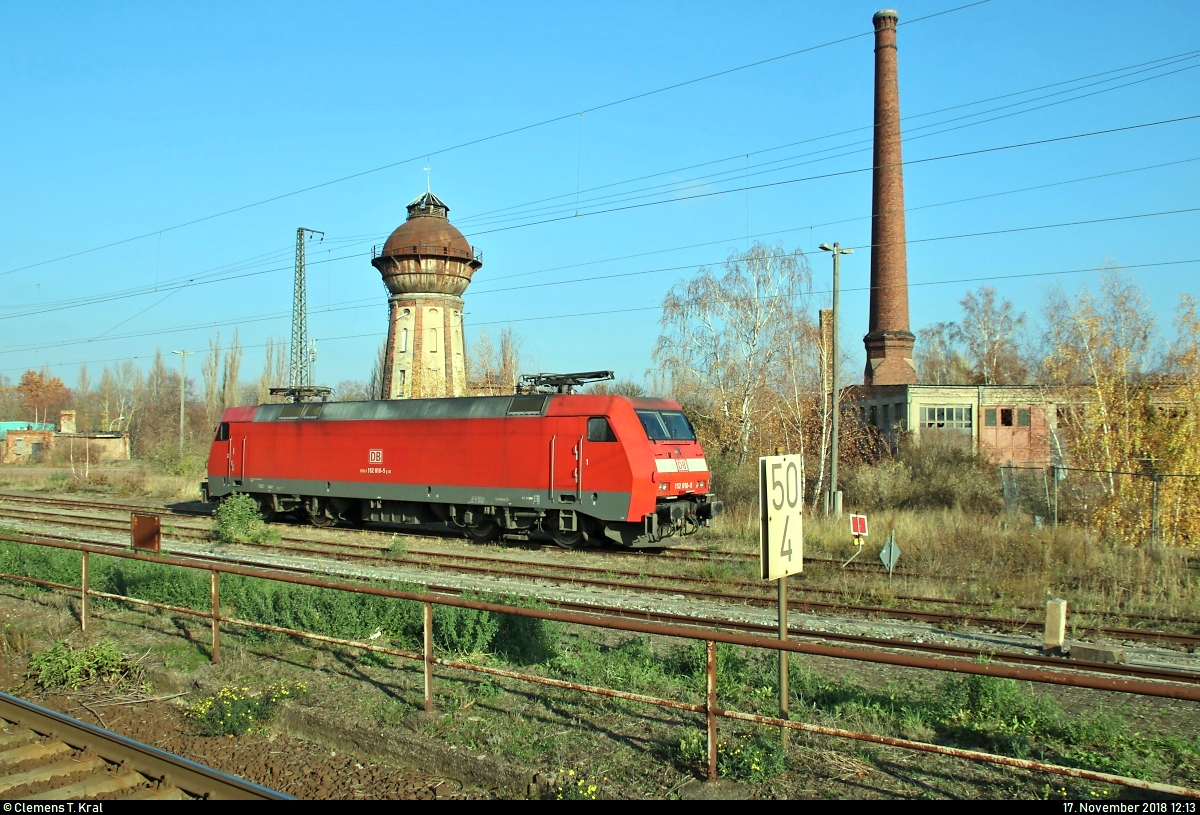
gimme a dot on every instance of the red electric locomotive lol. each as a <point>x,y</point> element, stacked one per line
<point>579,468</point>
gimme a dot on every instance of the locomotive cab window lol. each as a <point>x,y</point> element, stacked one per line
<point>223,431</point>
<point>598,429</point>
<point>666,425</point>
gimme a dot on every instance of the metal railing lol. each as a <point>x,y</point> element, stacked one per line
<point>710,708</point>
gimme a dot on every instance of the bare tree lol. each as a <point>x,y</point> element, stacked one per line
<point>495,367</point>
<point>275,370</point>
<point>375,380</point>
<point>722,336</point>
<point>233,365</point>
<point>988,331</point>
<point>211,371</point>
<point>938,358</point>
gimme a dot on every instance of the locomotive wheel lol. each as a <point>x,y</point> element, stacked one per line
<point>483,532</point>
<point>317,515</point>
<point>569,540</point>
<point>266,509</point>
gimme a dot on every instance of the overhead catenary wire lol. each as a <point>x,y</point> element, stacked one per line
<point>495,216</point>
<point>426,154</point>
<point>637,309</point>
<point>193,281</point>
<point>206,326</point>
<point>1156,64</point>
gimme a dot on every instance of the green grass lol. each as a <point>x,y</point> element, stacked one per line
<point>976,712</point>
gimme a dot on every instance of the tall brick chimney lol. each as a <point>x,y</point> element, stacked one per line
<point>889,342</point>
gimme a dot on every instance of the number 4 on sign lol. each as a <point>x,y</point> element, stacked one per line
<point>781,507</point>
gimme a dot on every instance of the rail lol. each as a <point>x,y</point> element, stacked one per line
<point>709,708</point>
<point>195,779</point>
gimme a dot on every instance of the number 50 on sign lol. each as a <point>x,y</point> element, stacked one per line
<point>781,506</point>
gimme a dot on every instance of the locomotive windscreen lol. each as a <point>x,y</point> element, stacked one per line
<point>666,425</point>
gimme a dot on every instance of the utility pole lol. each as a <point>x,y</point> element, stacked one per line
<point>183,355</point>
<point>300,375</point>
<point>834,503</point>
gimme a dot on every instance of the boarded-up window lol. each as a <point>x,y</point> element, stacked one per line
<point>433,341</point>
<point>403,340</point>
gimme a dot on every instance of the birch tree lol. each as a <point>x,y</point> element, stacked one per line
<point>723,335</point>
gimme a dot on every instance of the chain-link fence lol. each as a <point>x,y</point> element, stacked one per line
<point>1144,507</point>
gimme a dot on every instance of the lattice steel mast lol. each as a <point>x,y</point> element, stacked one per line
<point>300,373</point>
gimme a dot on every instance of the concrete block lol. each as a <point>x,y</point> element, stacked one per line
<point>1056,625</point>
<point>1097,653</point>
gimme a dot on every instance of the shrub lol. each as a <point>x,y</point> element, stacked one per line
<point>464,630</point>
<point>744,757</point>
<point>936,474</point>
<point>238,520</point>
<point>524,640</point>
<point>63,667</point>
<point>234,710</point>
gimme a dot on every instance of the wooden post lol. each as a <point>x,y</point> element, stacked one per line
<point>216,616</point>
<point>83,594</point>
<point>711,708</point>
<point>428,657</point>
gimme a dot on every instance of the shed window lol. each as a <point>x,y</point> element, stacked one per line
<point>599,429</point>
<point>953,418</point>
<point>989,417</point>
<point>1006,417</point>
<point>1022,417</point>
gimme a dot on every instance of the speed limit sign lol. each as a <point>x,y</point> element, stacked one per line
<point>781,506</point>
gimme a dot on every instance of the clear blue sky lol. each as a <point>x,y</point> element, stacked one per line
<point>122,119</point>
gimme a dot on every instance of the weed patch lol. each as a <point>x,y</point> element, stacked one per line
<point>233,710</point>
<point>238,520</point>
<point>99,664</point>
<point>744,757</point>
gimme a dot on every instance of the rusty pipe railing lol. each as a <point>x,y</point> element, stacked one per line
<point>710,707</point>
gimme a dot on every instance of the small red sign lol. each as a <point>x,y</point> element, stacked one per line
<point>858,526</point>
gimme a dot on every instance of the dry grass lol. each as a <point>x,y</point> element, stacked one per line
<point>953,554</point>
<point>125,482</point>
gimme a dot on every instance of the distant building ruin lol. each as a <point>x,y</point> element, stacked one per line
<point>32,442</point>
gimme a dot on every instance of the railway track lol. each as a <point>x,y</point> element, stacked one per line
<point>47,756</point>
<point>723,623</point>
<point>697,587</point>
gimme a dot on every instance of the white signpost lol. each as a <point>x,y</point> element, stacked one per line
<point>781,537</point>
<point>781,508</point>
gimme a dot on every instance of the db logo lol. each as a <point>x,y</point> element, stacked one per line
<point>375,457</point>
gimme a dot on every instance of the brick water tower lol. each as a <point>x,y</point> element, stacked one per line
<point>426,265</point>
